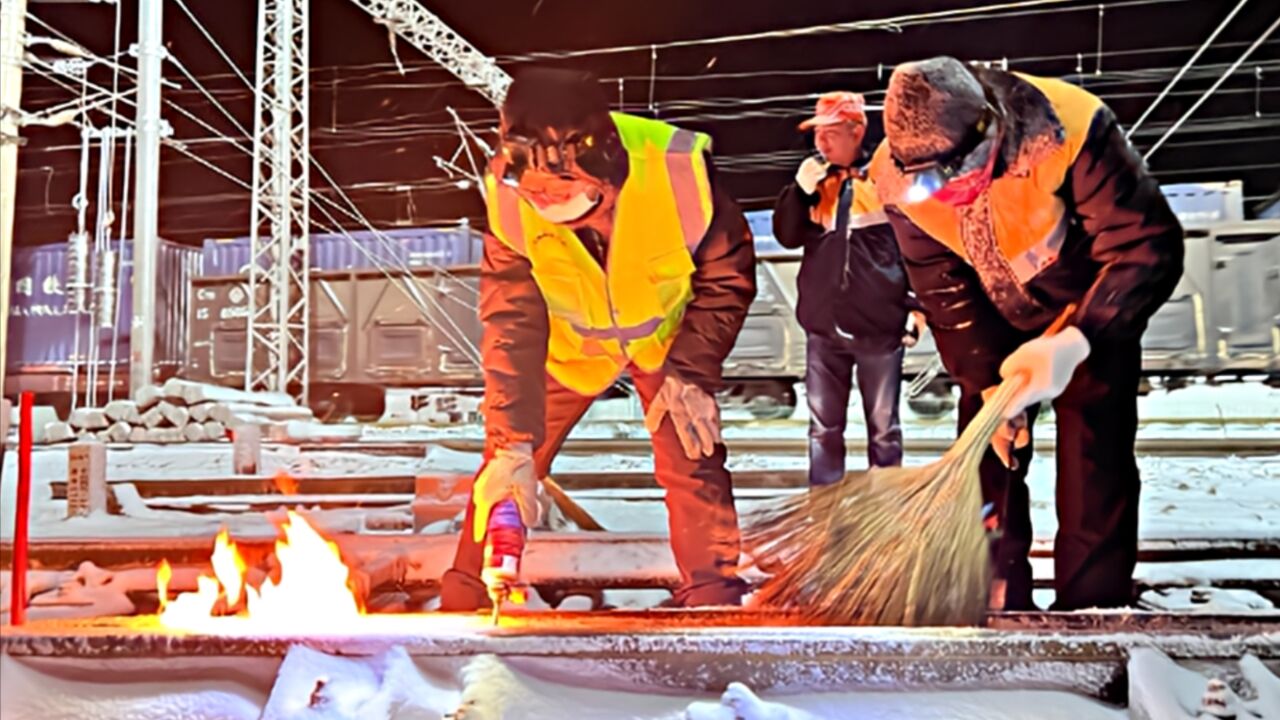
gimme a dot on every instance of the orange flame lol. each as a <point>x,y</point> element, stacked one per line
<point>314,588</point>
<point>163,575</point>
<point>285,483</point>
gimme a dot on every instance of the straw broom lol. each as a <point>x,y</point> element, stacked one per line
<point>886,546</point>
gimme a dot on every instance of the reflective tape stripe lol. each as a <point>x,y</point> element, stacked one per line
<point>1041,255</point>
<point>509,218</point>
<point>684,186</point>
<point>867,219</point>
<point>634,332</point>
<point>682,142</point>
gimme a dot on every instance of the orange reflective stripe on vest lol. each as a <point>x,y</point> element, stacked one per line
<point>603,319</point>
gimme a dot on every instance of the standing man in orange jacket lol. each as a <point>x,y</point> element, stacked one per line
<point>855,305</point>
<point>1013,198</point>
<point>610,249</point>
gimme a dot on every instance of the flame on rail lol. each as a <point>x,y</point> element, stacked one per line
<point>315,588</point>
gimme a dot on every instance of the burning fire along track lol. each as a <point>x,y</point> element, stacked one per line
<point>313,590</point>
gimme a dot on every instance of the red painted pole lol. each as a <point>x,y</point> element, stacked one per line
<point>18,601</point>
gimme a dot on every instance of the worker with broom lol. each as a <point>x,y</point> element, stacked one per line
<point>611,248</point>
<point>1015,198</point>
<point>855,305</point>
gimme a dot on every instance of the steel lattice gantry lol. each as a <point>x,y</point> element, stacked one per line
<point>425,31</point>
<point>277,341</point>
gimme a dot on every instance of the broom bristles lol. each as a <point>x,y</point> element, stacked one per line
<point>885,546</point>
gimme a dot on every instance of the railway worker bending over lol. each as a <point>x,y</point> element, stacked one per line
<point>610,249</point>
<point>1012,198</point>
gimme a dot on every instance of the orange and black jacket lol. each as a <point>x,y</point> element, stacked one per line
<point>1119,260</point>
<point>514,315</point>
<point>853,286</point>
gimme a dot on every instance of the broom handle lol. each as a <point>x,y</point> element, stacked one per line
<point>984,425</point>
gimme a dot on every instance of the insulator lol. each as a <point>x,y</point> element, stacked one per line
<point>78,266</point>
<point>107,289</point>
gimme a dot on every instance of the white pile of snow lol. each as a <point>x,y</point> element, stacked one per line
<point>495,690</point>
<point>1160,689</point>
<point>312,685</point>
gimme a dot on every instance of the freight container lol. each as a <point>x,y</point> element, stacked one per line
<point>47,342</point>
<point>416,247</point>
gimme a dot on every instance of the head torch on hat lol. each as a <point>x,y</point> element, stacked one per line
<point>929,177</point>
<point>566,157</point>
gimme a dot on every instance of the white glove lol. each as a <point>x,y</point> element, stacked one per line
<point>811,172</point>
<point>694,413</point>
<point>510,474</point>
<point>1047,363</point>
<point>1011,435</point>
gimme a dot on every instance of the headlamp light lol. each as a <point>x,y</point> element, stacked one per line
<point>577,152</point>
<point>930,176</point>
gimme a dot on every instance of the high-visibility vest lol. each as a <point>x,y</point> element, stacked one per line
<point>628,312</point>
<point>1027,216</point>
<point>865,211</point>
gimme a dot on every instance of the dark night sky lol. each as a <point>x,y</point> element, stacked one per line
<point>376,131</point>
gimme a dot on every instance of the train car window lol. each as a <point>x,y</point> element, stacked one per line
<point>1245,238</point>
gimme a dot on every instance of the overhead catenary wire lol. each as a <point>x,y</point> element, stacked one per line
<point>359,135</point>
<point>409,278</point>
<point>412,284</point>
<point>1208,93</point>
<point>1190,61</point>
<point>409,131</point>
<point>892,23</point>
<point>381,237</point>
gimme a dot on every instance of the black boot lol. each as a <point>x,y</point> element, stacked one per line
<point>460,592</point>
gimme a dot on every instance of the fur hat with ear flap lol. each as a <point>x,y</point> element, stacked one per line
<point>930,107</point>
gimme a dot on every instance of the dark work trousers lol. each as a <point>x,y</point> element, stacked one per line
<point>1097,487</point>
<point>700,513</point>
<point>830,366</point>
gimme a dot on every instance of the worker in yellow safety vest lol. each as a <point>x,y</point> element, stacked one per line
<point>610,251</point>
<point>1014,198</point>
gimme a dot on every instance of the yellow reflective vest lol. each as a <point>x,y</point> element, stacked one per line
<point>603,319</point>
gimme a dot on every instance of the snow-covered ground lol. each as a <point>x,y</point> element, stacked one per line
<point>312,685</point>
<point>1183,497</point>
<point>1237,410</point>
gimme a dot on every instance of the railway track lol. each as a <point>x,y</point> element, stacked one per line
<point>610,559</point>
<point>1169,447</point>
<point>706,650</point>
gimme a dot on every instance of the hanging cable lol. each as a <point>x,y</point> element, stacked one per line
<point>653,74</point>
<point>1097,65</point>
<point>1257,91</point>
<point>120,285</point>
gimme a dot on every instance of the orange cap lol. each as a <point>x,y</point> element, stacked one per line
<point>837,107</point>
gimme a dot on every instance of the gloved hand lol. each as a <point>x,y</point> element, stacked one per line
<point>1010,436</point>
<point>811,172</point>
<point>694,413</point>
<point>509,474</point>
<point>915,328</point>
<point>1047,364</point>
